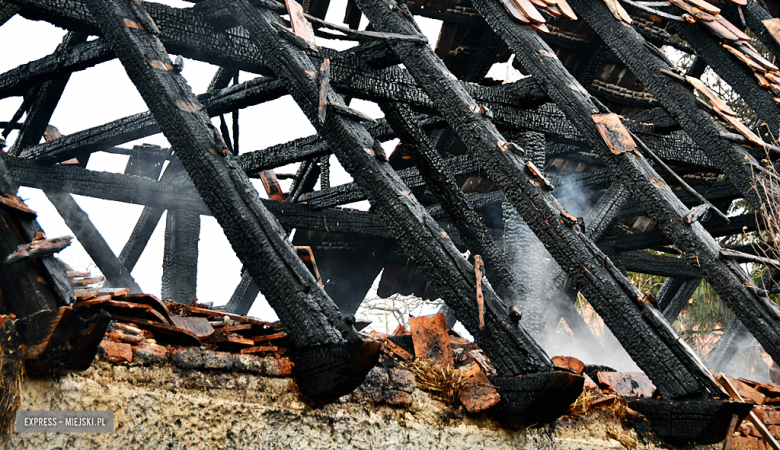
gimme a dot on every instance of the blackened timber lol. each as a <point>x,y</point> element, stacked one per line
<point>180,256</point>
<point>736,73</point>
<point>674,370</point>
<point>698,247</point>
<point>352,192</point>
<point>90,238</point>
<point>143,124</point>
<point>732,159</point>
<point>441,182</point>
<point>139,237</point>
<point>244,296</point>
<point>510,348</point>
<point>674,295</point>
<point>309,316</point>
<point>63,62</point>
<point>7,11</point>
<point>47,96</point>
<point>24,292</point>
<point>656,238</point>
<point>643,262</point>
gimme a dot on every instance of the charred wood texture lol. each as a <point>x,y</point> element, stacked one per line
<point>90,238</point>
<point>27,286</point>
<point>244,296</point>
<point>47,95</point>
<point>755,15</point>
<point>309,316</point>
<point>509,347</point>
<point>674,295</point>
<point>674,370</point>
<point>180,258</point>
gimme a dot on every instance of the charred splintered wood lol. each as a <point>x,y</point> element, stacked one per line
<point>511,350</point>
<point>180,257</point>
<point>677,373</point>
<point>735,72</point>
<point>244,296</point>
<point>680,102</point>
<point>47,95</point>
<point>441,182</point>
<point>310,317</point>
<point>90,238</point>
<point>36,249</point>
<point>27,286</point>
<point>7,10</point>
<point>63,62</point>
<point>674,295</point>
<point>648,263</point>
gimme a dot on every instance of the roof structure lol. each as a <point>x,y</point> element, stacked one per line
<point>482,165</point>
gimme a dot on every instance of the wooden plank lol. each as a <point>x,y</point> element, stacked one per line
<point>529,10</point>
<point>391,348</point>
<point>233,328</point>
<point>16,206</point>
<point>86,281</point>
<point>231,340</point>
<point>268,337</point>
<point>744,130</point>
<point>85,293</point>
<point>478,394</point>
<point>259,349</point>
<point>301,27</point>
<point>236,317</point>
<point>271,185</point>
<point>515,11</point>
<point>614,133</point>
<point>698,13</point>
<point>199,326</point>
<point>730,26</point>
<point>430,339</point>
<point>566,9</point>
<point>38,249</point>
<point>114,292</point>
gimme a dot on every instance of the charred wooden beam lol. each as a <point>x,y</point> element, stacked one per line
<point>643,262</point>
<point>352,192</point>
<point>7,10</point>
<point>47,95</point>
<point>244,296</point>
<point>311,319</point>
<point>511,350</point>
<point>677,373</point>
<point>620,242</point>
<point>90,238</point>
<point>180,257</point>
<point>674,295</point>
<point>143,124</point>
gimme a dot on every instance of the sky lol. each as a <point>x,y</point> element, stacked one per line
<point>104,93</point>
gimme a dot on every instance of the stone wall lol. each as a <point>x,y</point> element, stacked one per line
<point>165,407</point>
